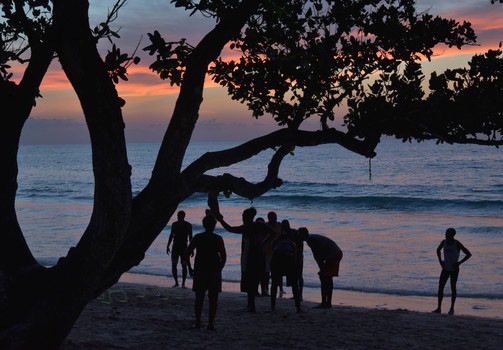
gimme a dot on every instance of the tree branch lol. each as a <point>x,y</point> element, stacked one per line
<point>186,112</point>
<point>242,187</point>
<point>154,205</point>
<point>213,160</point>
<point>467,141</point>
<point>431,134</point>
<point>17,102</point>
<point>195,180</point>
<point>101,105</point>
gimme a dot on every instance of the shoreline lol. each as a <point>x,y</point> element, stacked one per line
<point>477,307</point>
<point>154,317</point>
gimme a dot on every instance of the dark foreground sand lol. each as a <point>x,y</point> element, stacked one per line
<point>136,317</point>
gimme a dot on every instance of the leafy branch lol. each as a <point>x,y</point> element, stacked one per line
<point>171,57</point>
<point>116,62</point>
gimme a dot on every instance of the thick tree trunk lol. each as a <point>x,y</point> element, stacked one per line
<point>19,270</point>
<point>120,230</point>
<point>46,317</point>
<point>17,102</point>
<point>155,205</point>
<point>13,249</point>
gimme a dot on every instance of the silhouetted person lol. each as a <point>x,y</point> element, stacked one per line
<point>328,256</point>
<point>252,252</point>
<point>267,239</point>
<point>296,237</point>
<point>284,263</point>
<point>207,273</point>
<point>450,266</point>
<point>273,222</point>
<point>181,234</point>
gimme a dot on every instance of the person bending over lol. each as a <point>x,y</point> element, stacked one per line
<point>328,256</point>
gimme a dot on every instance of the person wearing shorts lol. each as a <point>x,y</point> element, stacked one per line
<point>284,263</point>
<point>207,273</point>
<point>328,256</point>
<point>181,234</point>
<point>450,266</point>
<point>264,283</point>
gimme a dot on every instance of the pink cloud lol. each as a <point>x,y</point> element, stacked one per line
<point>486,20</point>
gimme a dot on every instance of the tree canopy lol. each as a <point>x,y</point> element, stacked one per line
<point>298,60</point>
<point>314,57</point>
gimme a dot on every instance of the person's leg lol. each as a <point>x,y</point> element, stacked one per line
<point>301,279</point>
<point>267,279</point>
<point>174,262</point>
<point>242,283</point>
<point>198,307</point>
<point>329,285</point>
<point>323,296</point>
<point>329,270</point>
<point>184,272</point>
<point>251,290</point>
<point>255,281</point>
<point>295,289</point>
<point>454,280</point>
<point>251,301</point>
<point>213,301</point>
<point>274,290</point>
<point>264,284</point>
<point>301,287</point>
<point>444,275</point>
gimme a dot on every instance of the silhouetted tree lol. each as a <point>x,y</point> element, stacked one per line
<point>300,59</point>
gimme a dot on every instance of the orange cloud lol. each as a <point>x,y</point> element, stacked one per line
<point>486,20</point>
<point>445,52</point>
<point>141,82</point>
<point>55,79</point>
<point>492,21</point>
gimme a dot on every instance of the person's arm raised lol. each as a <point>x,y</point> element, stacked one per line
<point>231,229</point>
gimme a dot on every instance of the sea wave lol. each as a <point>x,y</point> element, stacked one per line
<point>62,196</point>
<point>376,290</point>
<point>384,203</point>
<point>312,200</point>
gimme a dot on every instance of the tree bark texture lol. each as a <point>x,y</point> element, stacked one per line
<point>121,227</point>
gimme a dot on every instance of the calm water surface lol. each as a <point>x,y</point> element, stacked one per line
<point>388,226</point>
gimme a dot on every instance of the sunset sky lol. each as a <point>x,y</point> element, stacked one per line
<point>57,117</point>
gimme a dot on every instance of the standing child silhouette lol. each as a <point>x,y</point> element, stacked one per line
<point>450,266</point>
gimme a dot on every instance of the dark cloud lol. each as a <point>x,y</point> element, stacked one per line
<point>67,131</point>
<point>142,133</point>
<point>138,18</point>
<point>148,105</point>
<point>490,38</point>
<point>54,131</point>
<point>214,130</point>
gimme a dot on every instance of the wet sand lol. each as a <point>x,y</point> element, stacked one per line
<point>150,317</point>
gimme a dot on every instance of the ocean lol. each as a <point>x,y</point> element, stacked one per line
<point>388,215</point>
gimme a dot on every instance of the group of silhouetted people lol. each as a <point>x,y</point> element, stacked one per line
<point>270,251</point>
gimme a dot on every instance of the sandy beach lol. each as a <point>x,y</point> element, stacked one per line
<point>149,317</point>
